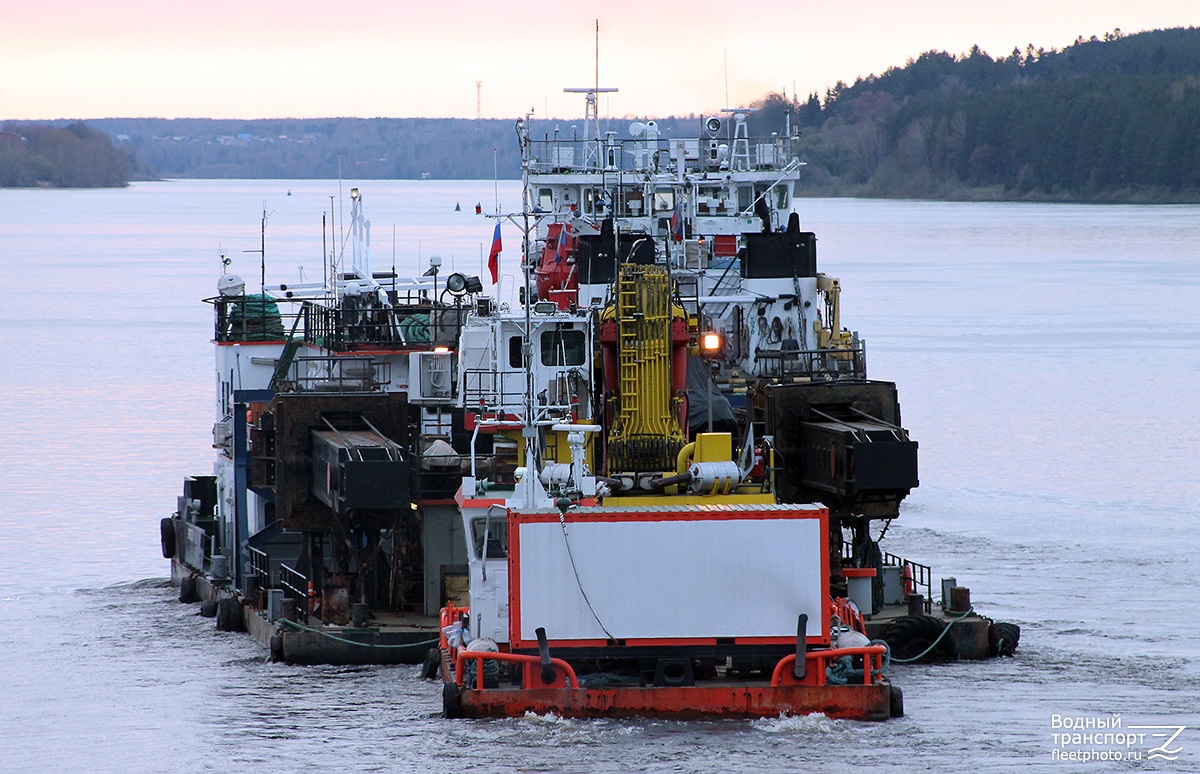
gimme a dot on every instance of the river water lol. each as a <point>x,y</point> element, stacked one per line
<point>1048,361</point>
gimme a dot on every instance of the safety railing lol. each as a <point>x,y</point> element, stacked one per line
<point>354,323</point>
<point>846,614</point>
<point>348,325</point>
<point>493,389</point>
<point>872,656</point>
<point>440,477</point>
<point>917,577</point>
<point>503,390</point>
<point>252,317</point>
<point>338,374</point>
<point>450,615</point>
<point>658,154</point>
<point>479,656</point>
<point>294,581</point>
<point>792,363</point>
<point>260,565</point>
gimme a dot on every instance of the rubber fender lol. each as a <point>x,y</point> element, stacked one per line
<point>187,589</point>
<point>208,608</point>
<point>166,529</point>
<point>276,648</point>
<point>451,701</point>
<point>910,636</point>
<point>230,617</point>
<point>433,664</point>
<point>896,702</point>
<point>1004,638</point>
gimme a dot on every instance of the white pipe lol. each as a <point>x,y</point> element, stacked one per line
<point>564,427</point>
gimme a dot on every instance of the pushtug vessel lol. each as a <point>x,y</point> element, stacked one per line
<point>647,488</point>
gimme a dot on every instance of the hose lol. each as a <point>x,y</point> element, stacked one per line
<point>887,654</point>
<point>933,644</point>
<point>841,671</point>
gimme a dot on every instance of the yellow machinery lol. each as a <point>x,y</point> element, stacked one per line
<point>645,340</point>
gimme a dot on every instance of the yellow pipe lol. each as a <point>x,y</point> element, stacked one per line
<point>685,453</point>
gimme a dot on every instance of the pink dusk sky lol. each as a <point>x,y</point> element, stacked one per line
<point>302,58</point>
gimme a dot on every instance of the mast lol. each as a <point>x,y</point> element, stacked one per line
<point>530,485</point>
<point>591,116</point>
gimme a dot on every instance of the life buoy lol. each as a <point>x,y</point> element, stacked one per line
<point>907,577</point>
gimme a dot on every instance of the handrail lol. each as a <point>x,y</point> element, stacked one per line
<point>296,582</point>
<point>654,154</point>
<point>448,616</point>
<point>845,361</point>
<point>338,373</point>
<point>823,656</point>
<point>846,614</point>
<point>520,658</point>
<point>920,575</point>
<point>416,324</point>
<point>260,564</point>
<point>497,388</point>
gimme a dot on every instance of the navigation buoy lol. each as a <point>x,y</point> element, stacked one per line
<point>457,208</point>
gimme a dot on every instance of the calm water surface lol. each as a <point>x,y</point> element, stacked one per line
<point>1048,359</point>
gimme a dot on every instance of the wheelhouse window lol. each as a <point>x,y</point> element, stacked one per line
<point>514,352</point>
<point>781,198</point>
<point>745,196</point>
<point>490,532</point>
<point>564,347</point>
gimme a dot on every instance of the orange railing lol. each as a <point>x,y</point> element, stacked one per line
<point>520,658</point>
<point>449,616</point>
<point>846,614</point>
<point>872,658</point>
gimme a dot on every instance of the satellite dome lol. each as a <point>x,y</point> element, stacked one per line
<point>231,285</point>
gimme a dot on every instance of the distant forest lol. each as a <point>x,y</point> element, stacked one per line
<point>1115,118</point>
<point>71,156</point>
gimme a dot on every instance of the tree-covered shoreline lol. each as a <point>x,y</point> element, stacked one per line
<point>34,155</point>
<point>1104,120</point>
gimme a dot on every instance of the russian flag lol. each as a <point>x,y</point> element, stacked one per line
<point>677,221</point>
<point>561,249</point>
<point>494,256</point>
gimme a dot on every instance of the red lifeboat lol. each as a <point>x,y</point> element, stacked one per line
<point>556,277</point>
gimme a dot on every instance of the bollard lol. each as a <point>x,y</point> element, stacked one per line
<point>960,599</point>
<point>274,604</point>
<point>916,604</point>
<point>251,588</point>
<point>219,567</point>
<point>360,613</point>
